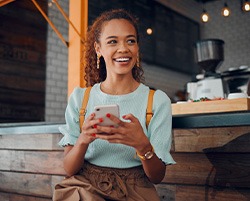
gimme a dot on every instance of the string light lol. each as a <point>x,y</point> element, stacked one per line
<point>225,11</point>
<point>204,16</point>
<point>246,6</point>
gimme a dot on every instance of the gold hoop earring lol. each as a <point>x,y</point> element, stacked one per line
<point>98,61</point>
<point>138,62</point>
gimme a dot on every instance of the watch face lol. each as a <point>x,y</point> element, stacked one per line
<point>149,154</point>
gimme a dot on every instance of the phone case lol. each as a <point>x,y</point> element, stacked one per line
<point>102,110</point>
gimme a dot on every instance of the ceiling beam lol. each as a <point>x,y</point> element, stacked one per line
<point>4,2</point>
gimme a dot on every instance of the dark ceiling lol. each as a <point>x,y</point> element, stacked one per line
<point>205,1</point>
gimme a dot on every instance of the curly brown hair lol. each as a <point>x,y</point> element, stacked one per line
<point>92,74</point>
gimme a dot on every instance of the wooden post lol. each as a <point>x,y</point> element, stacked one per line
<point>78,15</point>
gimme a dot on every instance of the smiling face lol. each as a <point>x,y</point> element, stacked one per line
<point>119,47</point>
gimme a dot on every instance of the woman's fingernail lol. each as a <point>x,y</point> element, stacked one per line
<point>95,126</point>
<point>111,126</point>
<point>124,116</point>
<point>93,134</point>
<point>101,120</point>
<point>93,114</point>
<point>108,115</point>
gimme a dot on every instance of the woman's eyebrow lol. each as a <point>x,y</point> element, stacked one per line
<point>109,37</point>
<point>131,36</point>
<point>128,36</point>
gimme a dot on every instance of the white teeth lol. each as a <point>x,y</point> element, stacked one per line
<point>122,59</point>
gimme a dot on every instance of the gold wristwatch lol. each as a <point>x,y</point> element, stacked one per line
<point>148,155</point>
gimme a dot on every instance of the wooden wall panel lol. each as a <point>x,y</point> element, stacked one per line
<point>25,69</point>
<point>20,113</point>
<point>21,83</point>
<point>33,162</point>
<point>225,139</point>
<point>45,162</point>
<point>18,197</point>
<point>40,185</point>
<point>166,192</point>
<point>220,169</point>
<point>31,141</point>
<point>23,36</point>
<point>23,97</point>
<point>201,193</point>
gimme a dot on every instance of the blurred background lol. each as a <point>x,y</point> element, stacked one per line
<point>34,61</point>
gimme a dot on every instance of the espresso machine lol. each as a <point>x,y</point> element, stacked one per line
<point>209,55</point>
<point>238,79</point>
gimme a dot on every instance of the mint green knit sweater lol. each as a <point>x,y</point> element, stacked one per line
<point>103,153</point>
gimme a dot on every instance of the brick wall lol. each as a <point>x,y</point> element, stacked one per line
<point>57,66</point>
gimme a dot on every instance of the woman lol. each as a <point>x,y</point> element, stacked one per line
<point>99,160</point>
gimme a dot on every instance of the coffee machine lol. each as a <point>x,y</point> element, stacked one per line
<point>209,55</point>
<point>238,79</point>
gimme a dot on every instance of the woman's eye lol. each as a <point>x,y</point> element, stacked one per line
<point>111,42</point>
<point>131,41</point>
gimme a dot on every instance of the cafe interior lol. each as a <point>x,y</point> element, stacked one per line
<point>196,51</point>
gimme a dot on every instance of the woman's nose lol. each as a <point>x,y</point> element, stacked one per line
<point>122,48</point>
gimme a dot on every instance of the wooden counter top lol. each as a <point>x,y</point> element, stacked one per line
<point>216,106</point>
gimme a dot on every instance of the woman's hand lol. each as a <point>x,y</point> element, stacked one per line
<point>88,133</point>
<point>128,133</point>
<point>132,134</point>
<point>74,155</point>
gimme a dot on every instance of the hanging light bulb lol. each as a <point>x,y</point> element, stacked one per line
<point>149,31</point>
<point>225,10</point>
<point>246,6</point>
<point>204,16</point>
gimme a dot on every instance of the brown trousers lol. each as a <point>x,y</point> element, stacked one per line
<point>95,183</point>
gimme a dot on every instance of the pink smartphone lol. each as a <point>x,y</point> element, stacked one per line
<point>102,110</point>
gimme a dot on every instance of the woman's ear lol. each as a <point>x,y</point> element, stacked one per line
<point>97,48</point>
